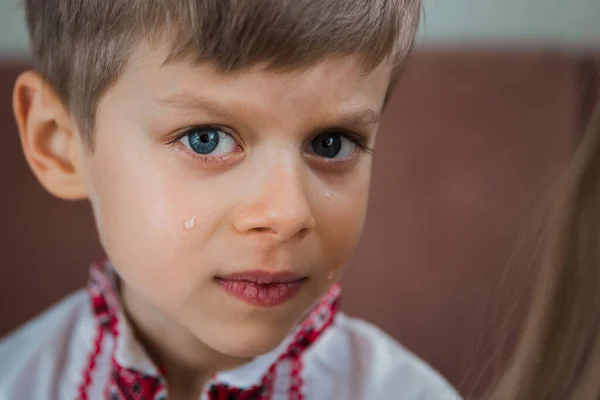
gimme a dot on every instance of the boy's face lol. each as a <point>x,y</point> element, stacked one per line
<point>259,190</point>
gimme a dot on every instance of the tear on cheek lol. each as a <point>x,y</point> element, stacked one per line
<point>331,275</point>
<point>329,197</point>
<point>189,223</point>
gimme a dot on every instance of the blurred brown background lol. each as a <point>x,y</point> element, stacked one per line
<point>469,148</point>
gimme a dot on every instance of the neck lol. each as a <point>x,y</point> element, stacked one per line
<point>187,362</point>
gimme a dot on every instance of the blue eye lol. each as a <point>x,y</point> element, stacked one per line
<point>207,141</point>
<point>203,142</point>
<point>332,145</point>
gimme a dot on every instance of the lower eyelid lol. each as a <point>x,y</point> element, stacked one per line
<point>334,166</point>
<point>228,158</point>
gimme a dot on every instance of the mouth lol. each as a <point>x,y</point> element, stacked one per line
<point>262,288</point>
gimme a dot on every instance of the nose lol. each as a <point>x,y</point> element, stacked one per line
<point>277,205</point>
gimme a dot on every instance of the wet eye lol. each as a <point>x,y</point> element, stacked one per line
<point>208,141</point>
<point>332,145</point>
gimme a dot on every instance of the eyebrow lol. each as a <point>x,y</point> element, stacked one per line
<point>360,117</point>
<point>194,103</point>
<point>363,117</point>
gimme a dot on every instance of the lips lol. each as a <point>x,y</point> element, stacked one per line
<point>262,288</point>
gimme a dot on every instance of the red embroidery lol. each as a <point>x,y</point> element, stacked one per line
<point>283,377</point>
<point>128,384</point>
<point>87,374</point>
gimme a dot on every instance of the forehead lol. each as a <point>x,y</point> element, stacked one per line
<point>333,84</point>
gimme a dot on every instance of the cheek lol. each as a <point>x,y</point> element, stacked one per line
<point>341,215</point>
<point>133,204</point>
<point>142,209</point>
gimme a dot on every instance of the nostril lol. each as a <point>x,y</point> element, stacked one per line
<point>302,233</point>
<point>264,230</point>
<point>270,231</point>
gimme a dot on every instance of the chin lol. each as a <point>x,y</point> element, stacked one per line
<point>250,342</point>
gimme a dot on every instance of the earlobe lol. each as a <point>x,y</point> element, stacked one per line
<point>49,137</point>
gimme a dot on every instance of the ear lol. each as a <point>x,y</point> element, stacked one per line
<point>49,137</point>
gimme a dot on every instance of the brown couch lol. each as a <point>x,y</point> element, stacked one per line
<point>470,144</point>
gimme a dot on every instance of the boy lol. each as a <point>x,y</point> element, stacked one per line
<point>224,147</point>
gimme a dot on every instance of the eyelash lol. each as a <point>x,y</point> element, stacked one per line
<point>360,141</point>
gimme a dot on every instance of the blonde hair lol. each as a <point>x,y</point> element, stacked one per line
<point>558,356</point>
